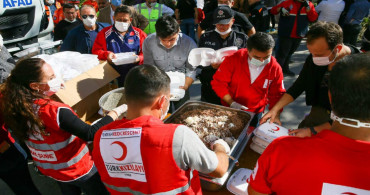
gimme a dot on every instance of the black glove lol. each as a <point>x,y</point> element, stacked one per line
<point>306,3</point>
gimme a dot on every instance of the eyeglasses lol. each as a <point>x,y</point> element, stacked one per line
<point>90,16</point>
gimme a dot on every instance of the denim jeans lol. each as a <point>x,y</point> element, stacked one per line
<point>187,27</point>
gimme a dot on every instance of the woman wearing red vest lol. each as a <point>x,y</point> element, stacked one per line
<point>55,136</point>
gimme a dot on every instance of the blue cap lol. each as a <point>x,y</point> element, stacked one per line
<point>116,3</point>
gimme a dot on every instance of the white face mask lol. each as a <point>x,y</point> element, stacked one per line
<point>258,63</point>
<point>164,114</point>
<point>50,2</point>
<point>160,42</point>
<point>70,21</point>
<point>90,22</point>
<point>342,121</point>
<point>324,61</point>
<point>121,26</point>
<point>153,4</point>
<point>222,5</point>
<point>1,41</point>
<point>55,85</point>
<point>223,33</point>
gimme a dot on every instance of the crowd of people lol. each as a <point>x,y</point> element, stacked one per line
<point>139,154</point>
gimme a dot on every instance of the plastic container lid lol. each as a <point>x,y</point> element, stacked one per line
<point>237,183</point>
<point>125,58</point>
<point>222,53</point>
<point>269,132</point>
<point>256,148</point>
<point>260,142</point>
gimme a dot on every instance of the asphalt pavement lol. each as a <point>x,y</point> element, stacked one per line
<point>290,117</point>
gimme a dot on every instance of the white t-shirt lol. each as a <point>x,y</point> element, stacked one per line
<point>330,10</point>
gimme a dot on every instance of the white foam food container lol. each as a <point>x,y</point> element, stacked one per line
<point>125,58</point>
<point>237,183</point>
<point>260,142</point>
<point>256,148</point>
<point>201,56</point>
<point>269,132</point>
<point>222,53</point>
<point>176,94</point>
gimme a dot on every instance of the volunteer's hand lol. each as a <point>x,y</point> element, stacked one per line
<point>185,87</point>
<point>273,115</point>
<point>120,110</point>
<point>238,106</point>
<point>220,142</point>
<point>284,11</point>
<point>306,132</point>
<point>137,59</point>
<point>111,56</point>
<point>215,65</point>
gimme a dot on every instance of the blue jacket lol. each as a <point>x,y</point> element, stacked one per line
<point>357,12</point>
<point>79,40</point>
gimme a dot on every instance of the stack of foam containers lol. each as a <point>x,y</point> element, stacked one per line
<point>265,134</point>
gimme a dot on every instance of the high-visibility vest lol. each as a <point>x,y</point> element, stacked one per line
<point>153,17</point>
<point>59,154</point>
<point>135,157</point>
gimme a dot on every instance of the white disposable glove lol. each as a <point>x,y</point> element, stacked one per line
<point>238,106</point>
<point>285,12</point>
<point>223,143</point>
<point>120,109</point>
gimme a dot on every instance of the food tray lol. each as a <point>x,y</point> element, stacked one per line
<point>208,182</point>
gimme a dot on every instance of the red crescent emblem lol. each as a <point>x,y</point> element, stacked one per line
<point>277,129</point>
<point>349,193</point>
<point>124,150</point>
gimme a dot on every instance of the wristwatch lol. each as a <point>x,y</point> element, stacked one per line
<point>313,131</point>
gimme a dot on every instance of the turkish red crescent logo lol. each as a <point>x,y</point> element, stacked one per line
<point>349,193</point>
<point>277,129</point>
<point>124,150</point>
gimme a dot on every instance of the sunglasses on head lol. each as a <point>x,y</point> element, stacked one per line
<point>90,16</point>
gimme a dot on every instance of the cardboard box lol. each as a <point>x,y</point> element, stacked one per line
<point>83,92</point>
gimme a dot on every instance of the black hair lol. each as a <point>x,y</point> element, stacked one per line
<point>123,9</point>
<point>144,83</point>
<point>260,41</point>
<point>166,26</point>
<point>68,6</point>
<point>349,85</point>
<point>332,33</point>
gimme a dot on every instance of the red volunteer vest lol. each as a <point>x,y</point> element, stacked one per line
<point>59,155</point>
<point>135,157</point>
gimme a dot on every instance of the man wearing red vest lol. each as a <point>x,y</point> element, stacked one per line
<point>250,79</point>
<point>142,155</point>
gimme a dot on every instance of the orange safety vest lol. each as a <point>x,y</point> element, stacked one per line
<point>135,157</point>
<point>59,154</point>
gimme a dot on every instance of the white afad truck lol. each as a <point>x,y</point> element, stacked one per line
<point>26,27</point>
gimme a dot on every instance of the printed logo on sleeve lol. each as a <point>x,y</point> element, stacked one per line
<point>334,189</point>
<point>120,150</point>
<point>42,155</point>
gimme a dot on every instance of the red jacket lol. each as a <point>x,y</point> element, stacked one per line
<point>233,77</point>
<point>133,37</point>
<point>136,156</point>
<point>296,24</point>
<point>59,154</point>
